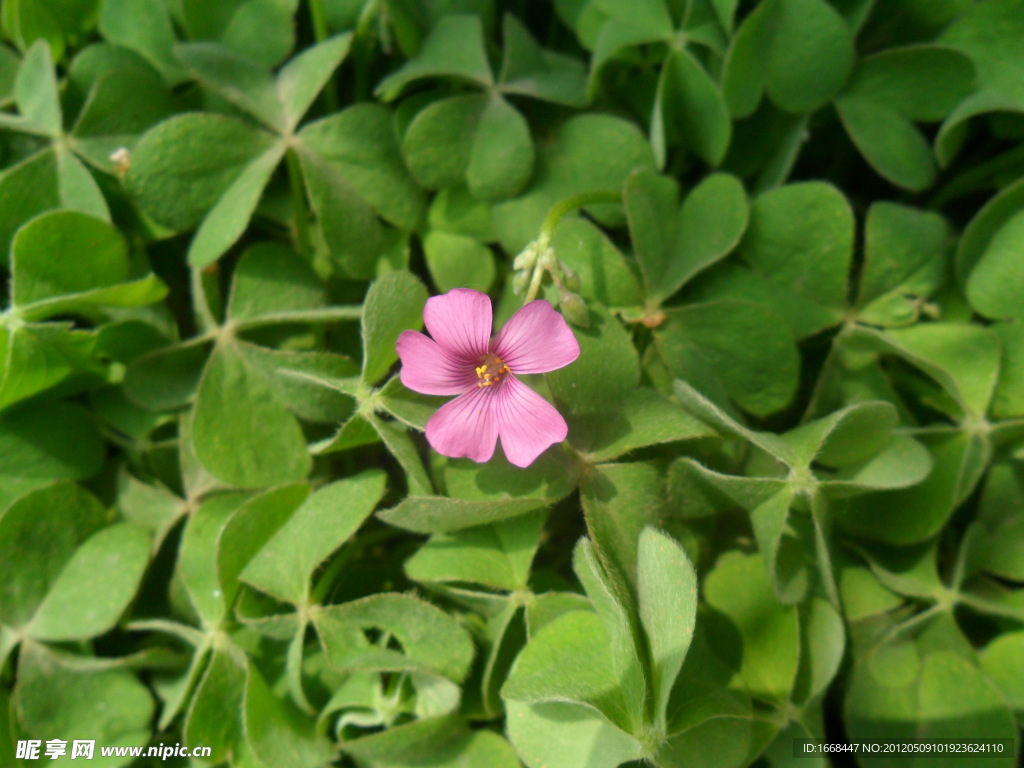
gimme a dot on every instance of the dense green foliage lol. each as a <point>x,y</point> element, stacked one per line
<point>789,235</point>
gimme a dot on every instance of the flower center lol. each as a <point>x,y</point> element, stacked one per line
<point>490,371</point>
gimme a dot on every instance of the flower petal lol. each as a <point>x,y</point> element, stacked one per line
<point>460,321</point>
<point>527,423</point>
<point>536,339</point>
<point>465,426</point>
<point>428,369</point>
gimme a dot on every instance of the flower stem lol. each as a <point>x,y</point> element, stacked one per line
<point>538,275</point>
<point>300,212</point>
<point>570,204</point>
<point>550,224</point>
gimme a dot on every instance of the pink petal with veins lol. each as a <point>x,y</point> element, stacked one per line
<point>460,321</point>
<point>536,339</point>
<point>461,360</point>
<point>429,369</point>
<point>465,427</point>
<point>527,423</point>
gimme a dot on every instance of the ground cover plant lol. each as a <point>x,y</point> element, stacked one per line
<point>743,464</point>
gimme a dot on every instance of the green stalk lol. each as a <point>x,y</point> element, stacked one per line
<point>205,320</point>
<point>362,48</point>
<point>300,211</point>
<point>538,275</point>
<point>318,19</point>
<point>547,229</point>
<point>570,204</point>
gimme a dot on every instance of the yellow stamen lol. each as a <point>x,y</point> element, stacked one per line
<point>490,371</point>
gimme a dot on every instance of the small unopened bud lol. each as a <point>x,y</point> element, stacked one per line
<point>527,258</point>
<point>571,279</point>
<point>574,308</point>
<point>122,160</point>
<point>521,282</point>
<point>549,261</point>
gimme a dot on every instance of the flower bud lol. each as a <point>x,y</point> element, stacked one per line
<point>571,279</point>
<point>549,261</point>
<point>574,308</point>
<point>526,258</point>
<point>521,282</point>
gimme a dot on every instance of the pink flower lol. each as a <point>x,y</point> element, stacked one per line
<point>462,359</point>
